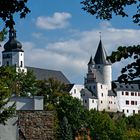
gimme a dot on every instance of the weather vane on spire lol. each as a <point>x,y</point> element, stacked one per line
<point>100,35</point>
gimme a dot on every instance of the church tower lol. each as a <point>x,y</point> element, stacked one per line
<point>13,55</point>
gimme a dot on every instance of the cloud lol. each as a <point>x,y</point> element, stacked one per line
<point>72,55</point>
<point>57,21</point>
<point>105,24</point>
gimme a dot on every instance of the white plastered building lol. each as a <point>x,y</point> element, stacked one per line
<point>98,94</point>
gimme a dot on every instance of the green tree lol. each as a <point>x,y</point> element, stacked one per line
<point>72,109</point>
<point>65,130</point>
<point>5,93</point>
<point>51,89</point>
<point>102,126</point>
<point>10,7</point>
<point>27,83</point>
<point>105,9</point>
<point>3,34</point>
<point>131,71</point>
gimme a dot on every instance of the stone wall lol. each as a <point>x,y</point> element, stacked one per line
<point>36,125</point>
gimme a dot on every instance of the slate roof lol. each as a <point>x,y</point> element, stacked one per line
<point>42,74</point>
<point>101,55</point>
<point>127,87</point>
<point>111,93</point>
<point>91,61</point>
<point>85,92</point>
<point>68,87</point>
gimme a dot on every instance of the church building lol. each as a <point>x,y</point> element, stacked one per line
<point>13,55</point>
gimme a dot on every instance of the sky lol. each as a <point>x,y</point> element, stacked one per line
<point>59,35</point>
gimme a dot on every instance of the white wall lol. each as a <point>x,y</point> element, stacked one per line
<point>9,131</point>
<point>27,103</point>
<point>102,91</point>
<point>122,98</point>
<point>76,91</point>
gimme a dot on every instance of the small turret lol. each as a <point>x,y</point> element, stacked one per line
<point>91,64</point>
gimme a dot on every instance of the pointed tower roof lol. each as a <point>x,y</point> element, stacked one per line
<point>101,55</point>
<point>91,61</point>
<point>12,44</point>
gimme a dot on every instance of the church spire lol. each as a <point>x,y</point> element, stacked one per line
<point>101,55</point>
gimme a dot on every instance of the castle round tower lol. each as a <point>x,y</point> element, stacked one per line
<point>103,65</point>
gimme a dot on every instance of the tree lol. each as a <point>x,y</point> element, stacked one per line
<point>5,93</point>
<point>65,128</point>
<point>72,109</point>
<point>10,7</point>
<point>132,70</point>
<point>26,83</point>
<point>105,9</point>
<point>51,89</point>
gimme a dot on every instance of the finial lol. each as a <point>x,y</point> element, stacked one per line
<point>100,35</point>
<point>12,33</point>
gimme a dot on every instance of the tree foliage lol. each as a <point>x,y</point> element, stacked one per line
<point>105,9</point>
<point>10,7</point>
<point>72,109</point>
<point>51,89</point>
<point>5,93</point>
<point>132,70</point>
<point>65,128</point>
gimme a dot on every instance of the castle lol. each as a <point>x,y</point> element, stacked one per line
<point>96,93</point>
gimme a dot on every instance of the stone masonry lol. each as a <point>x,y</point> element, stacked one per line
<point>36,125</point>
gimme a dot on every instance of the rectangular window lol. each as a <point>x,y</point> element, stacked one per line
<point>122,93</point>
<point>74,90</point>
<point>135,93</point>
<point>101,87</point>
<point>101,102</point>
<point>133,111</point>
<point>127,110</point>
<point>102,94</point>
<point>135,102</point>
<point>132,93</point>
<point>92,101</point>
<point>126,93</point>
<point>21,64</point>
<point>127,102</point>
<point>132,102</point>
<point>85,101</point>
<point>139,94</point>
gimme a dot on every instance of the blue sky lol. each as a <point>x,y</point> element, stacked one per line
<point>59,35</point>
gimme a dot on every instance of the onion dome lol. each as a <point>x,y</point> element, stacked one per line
<point>12,44</point>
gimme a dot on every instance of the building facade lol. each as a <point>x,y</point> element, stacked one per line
<point>98,94</point>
